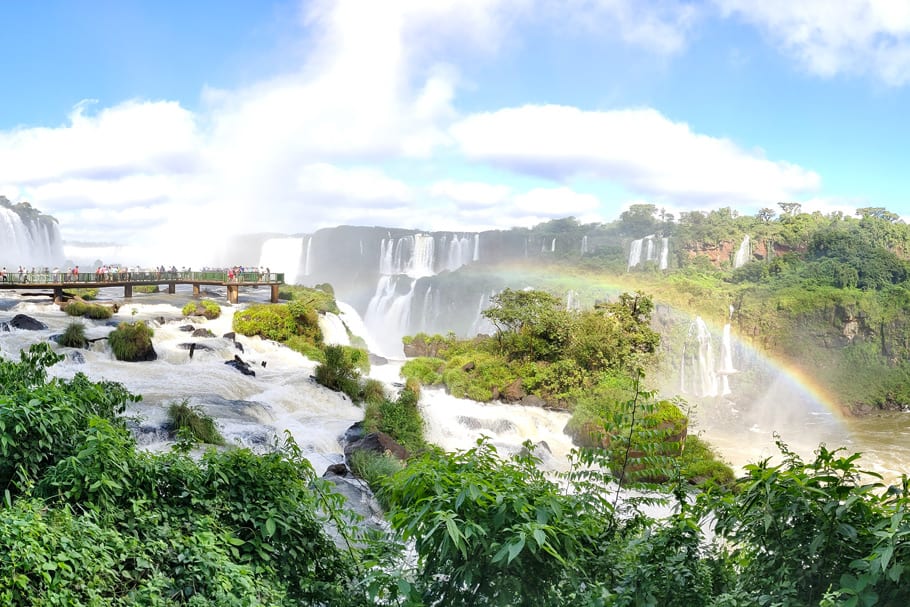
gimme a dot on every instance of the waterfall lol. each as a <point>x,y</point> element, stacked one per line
<point>664,252</point>
<point>635,253</point>
<point>584,245</point>
<point>308,266</point>
<point>726,361</point>
<point>744,253</point>
<point>458,252</point>
<point>29,241</point>
<point>701,361</point>
<point>334,331</point>
<point>650,255</point>
<point>389,312</point>
<point>476,247</point>
<point>282,255</point>
<point>553,246</point>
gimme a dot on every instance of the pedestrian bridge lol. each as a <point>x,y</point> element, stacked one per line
<point>58,282</point>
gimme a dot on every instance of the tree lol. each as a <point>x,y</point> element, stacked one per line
<point>790,208</point>
<point>766,215</point>
<point>532,324</point>
<point>877,213</point>
<point>639,221</point>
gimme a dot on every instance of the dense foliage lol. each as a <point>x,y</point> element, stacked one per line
<point>73,336</point>
<point>279,322</point>
<point>204,307</point>
<point>321,297</point>
<point>132,341</point>
<point>194,424</point>
<point>94,311</point>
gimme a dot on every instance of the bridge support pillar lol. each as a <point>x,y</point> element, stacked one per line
<point>196,290</point>
<point>127,291</point>
<point>58,293</point>
<point>274,294</point>
<point>233,293</point>
<point>171,288</point>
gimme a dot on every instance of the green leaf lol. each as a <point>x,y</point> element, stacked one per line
<point>540,536</point>
<point>270,527</point>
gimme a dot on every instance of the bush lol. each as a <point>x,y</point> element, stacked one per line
<point>205,307</point>
<point>320,298</point>
<point>373,391</point>
<point>700,465</point>
<point>279,322</point>
<point>94,311</point>
<point>86,294</point>
<point>339,372</point>
<point>74,336</point>
<point>399,418</point>
<point>374,468</point>
<point>147,289</point>
<point>132,341</point>
<point>428,371</point>
<point>192,421</point>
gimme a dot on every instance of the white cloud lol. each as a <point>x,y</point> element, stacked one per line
<point>661,26</point>
<point>833,37</point>
<point>639,148</point>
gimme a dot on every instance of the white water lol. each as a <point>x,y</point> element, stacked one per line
<point>333,330</point>
<point>308,265</point>
<point>664,252</point>
<point>743,253</point>
<point>389,313</point>
<point>726,361</point>
<point>282,255</point>
<point>645,244</point>
<point>635,253</point>
<point>249,410</point>
<point>700,362</point>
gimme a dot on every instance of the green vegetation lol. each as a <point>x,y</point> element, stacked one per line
<point>321,297</point>
<point>399,418</point>
<point>147,289</point>
<point>340,370</point>
<point>74,336</point>
<point>205,307</point>
<point>279,322</point>
<point>375,468</point>
<point>85,293</point>
<point>88,519</point>
<point>132,341</point>
<point>94,311</point>
<point>192,423</point>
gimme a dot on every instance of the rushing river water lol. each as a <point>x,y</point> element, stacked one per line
<point>282,396</point>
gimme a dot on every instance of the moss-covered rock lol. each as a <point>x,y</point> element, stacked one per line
<point>132,342</point>
<point>206,307</point>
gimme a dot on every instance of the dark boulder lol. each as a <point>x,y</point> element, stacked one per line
<point>187,328</point>
<point>533,401</point>
<point>239,364</point>
<point>378,442</point>
<point>232,336</point>
<point>76,356</point>
<point>377,360</point>
<point>514,392</point>
<point>467,367</point>
<point>203,333</point>
<point>194,346</point>
<point>26,323</point>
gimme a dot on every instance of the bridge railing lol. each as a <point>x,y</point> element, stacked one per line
<point>142,276</point>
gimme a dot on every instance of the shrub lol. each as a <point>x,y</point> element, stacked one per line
<point>132,341</point>
<point>306,347</point>
<point>94,311</point>
<point>428,371</point>
<point>205,307</point>
<point>374,468</point>
<point>279,322</point>
<point>86,294</point>
<point>320,298</point>
<point>146,289</point>
<point>74,336</point>
<point>339,372</point>
<point>373,391</point>
<point>700,465</point>
<point>399,418</point>
<point>195,422</point>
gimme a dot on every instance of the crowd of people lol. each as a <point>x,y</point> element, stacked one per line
<point>117,273</point>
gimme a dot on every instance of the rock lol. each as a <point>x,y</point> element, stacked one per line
<point>203,333</point>
<point>358,498</point>
<point>187,328</point>
<point>376,360</point>
<point>232,336</point>
<point>468,366</point>
<point>338,469</point>
<point>194,346</point>
<point>514,392</point>
<point>240,365</point>
<point>76,356</point>
<point>533,401</point>
<point>26,323</point>
<point>354,433</point>
<point>239,346</point>
<point>378,442</point>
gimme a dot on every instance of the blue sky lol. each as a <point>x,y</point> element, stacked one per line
<point>138,122</point>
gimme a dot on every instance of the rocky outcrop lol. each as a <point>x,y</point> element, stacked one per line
<point>378,442</point>
<point>26,323</point>
<point>241,365</point>
<point>203,333</point>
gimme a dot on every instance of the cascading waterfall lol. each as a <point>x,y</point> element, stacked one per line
<point>726,361</point>
<point>28,242</point>
<point>743,253</point>
<point>460,251</point>
<point>664,252</point>
<point>635,253</point>
<point>282,255</point>
<point>553,246</point>
<point>705,382</point>
<point>334,331</point>
<point>584,245</point>
<point>308,266</point>
<point>650,254</point>
<point>476,248</point>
